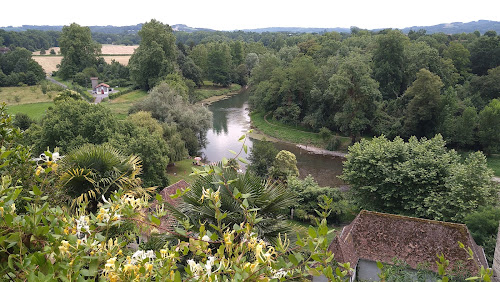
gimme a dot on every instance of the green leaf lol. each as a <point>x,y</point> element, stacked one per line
<point>242,137</point>
<point>177,276</point>
<point>159,198</point>
<point>5,154</point>
<point>232,152</point>
<point>312,232</point>
<point>11,261</point>
<point>242,160</point>
<point>292,259</point>
<point>245,148</point>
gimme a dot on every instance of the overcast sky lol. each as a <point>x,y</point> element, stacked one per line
<point>233,14</point>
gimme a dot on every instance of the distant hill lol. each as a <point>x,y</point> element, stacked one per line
<point>448,28</point>
<point>298,29</point>
<point>459,27</point>
<point>130,29</point>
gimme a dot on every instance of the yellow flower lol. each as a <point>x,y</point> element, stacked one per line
<point>39,169</point>
<point>163,253</point>
<point>1,210</point>
<point>110,264</point>
<point>128,268</point>
<point>148,266</point>
<point>66,231</point>
<point>120,252</point>
<point>13,207</point>
<point>64,248</point>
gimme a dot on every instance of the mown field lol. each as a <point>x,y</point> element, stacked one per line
<point>119,53</point>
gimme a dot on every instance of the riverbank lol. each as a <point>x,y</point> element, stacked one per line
<point>213,94</point>
<point>305,140</point>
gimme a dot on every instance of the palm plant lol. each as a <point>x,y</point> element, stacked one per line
<point>91,171</point>
<point>270,199</point>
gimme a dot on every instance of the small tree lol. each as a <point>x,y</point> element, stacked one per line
<point>42,51</point>
<point>284,165</point>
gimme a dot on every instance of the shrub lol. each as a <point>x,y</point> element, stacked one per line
<point>334,143</point>
<point>325,134</point>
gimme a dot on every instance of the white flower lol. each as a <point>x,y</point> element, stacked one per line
<point>141,255</point>
<point>280,273</point>
<point>205,238</point>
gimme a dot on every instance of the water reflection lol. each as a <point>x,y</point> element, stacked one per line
<point>231,120</point>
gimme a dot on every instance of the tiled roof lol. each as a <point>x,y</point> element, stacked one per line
<point>102,84</point>
<point>382,237</point>
<point>168,220</point>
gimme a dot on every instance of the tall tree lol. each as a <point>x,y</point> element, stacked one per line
<point>354,89</point>
<point>388,60</point>
<point>219,63</point>
<point>155,56</point>
<point>489,127</point>
<point>423,109</point>
<point>78,49</point>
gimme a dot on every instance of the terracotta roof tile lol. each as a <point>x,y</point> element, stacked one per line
<point>383,237</point>
<point>168,220</point>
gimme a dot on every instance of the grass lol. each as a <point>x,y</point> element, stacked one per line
<point>35,110</point>
<point>121,105</point>
<point>210,90</point>
<point>181,170</point>
<point>494,164</point>
<point>289,133</point>
<point>23,95</point>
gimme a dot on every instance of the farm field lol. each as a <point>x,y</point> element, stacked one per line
<point>49,63</point>
<point>119,53</point>
<point>23,95</point>
<point>34,111</point>
<point>107,49</point>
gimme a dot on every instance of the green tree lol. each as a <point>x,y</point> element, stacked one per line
<point>18,66</point>
<point>261,157</point>
<point>419,178</point>
<point>70,124</point>
<point>460,57</point>
<point>354,89</point>
<point>423,109</point>
<point>78,49</point>
<point>388,61</point>
<point>483,226</point>
<point>142,135</point>
<point>284,165</point>
<point>219,63</point>
<point>489,127</point>
<point>167,105</point>
<point>155,56</point>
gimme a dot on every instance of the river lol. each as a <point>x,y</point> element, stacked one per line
<point>231,119</point>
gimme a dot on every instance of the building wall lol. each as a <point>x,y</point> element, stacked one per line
<point>496,260</point>
<point>367,270</point>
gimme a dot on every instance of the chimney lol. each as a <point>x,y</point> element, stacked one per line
<point>94,82</point>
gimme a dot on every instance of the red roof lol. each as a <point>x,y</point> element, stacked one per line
<point>102,84</point>
<point>382,237</point>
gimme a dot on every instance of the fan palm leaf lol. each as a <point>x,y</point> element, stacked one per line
<point>272,199</point>
<point>94,170</point>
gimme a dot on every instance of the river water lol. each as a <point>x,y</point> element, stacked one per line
<point>231,120</point>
